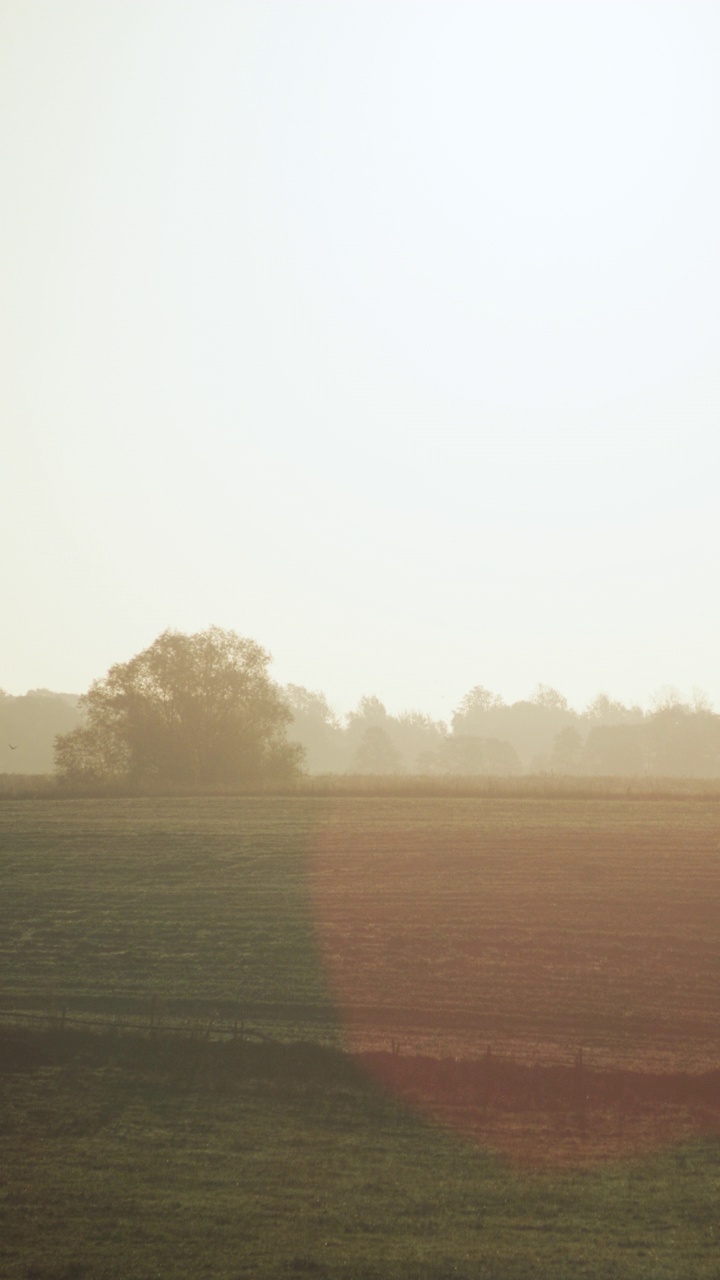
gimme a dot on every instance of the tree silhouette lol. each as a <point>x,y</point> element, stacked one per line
<point>190,710</point>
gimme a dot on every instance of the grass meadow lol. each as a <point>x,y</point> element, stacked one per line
<point>360,1036</point>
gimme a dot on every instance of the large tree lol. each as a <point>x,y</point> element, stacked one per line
<point>191,710</point>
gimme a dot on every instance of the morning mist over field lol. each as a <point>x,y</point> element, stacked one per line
<point>383,333</point>
<point>359,678</point>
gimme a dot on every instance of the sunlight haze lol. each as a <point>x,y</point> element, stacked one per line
<point>385,334</point>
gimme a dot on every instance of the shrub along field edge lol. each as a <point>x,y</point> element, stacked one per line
<point>553,786</point>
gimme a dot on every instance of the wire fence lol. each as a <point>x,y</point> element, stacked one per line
<point>153,1024</point>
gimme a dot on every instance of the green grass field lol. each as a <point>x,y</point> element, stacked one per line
<point>441,923</point>
<point>124,1159</point>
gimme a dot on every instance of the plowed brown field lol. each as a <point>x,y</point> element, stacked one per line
<point>536,926</point>
<point>435,926</point>
<point>545,932</point>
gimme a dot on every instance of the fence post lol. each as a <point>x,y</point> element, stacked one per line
<point>580,1098</point>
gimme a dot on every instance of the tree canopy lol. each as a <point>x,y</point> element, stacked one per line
<point>190,710</point>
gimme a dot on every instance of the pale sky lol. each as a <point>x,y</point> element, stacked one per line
<point>384,332</point>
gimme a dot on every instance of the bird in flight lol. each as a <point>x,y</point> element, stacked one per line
<point>13,748</point>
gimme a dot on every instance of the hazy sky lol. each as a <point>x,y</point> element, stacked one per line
<point>384,333</point>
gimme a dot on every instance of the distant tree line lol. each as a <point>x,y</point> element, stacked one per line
<point>29,725</point>
<point>201,710</point>
<point>487,736</point>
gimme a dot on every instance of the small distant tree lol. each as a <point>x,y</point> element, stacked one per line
<point>190,710</point>
<point>415,736</point>
<point>473,707</point>
<point>567,750</point>
<point>316,728</point>
<point>546,696</point>
<point>615,750</point>
<point>369,711</point>
<point>376,753</point>
<point>682,742</point>
<point>467,754</point>
<point>605,710</point>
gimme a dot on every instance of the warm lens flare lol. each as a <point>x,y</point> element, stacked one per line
<point>525,984</point>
